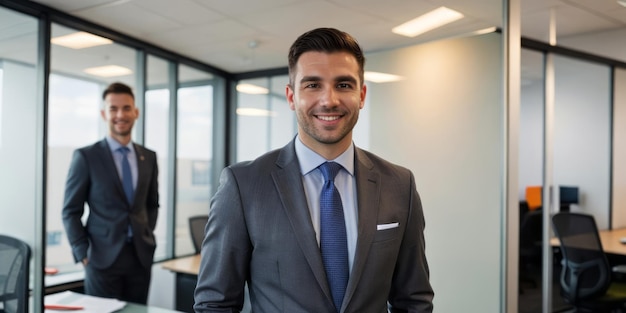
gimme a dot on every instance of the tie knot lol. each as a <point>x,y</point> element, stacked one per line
<point>330,170</point>
<point>124,150</point>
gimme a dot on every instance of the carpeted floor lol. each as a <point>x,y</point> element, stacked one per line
<point>530,298</point>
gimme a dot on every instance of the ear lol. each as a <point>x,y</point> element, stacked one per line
<point>289,94</point>
<point>103,114</point>
<point>363,93</point>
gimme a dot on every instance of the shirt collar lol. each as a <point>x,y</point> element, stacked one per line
<point>114,144</point>
<point>309,160</point>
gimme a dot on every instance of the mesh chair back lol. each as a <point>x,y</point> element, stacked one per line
<point>14,275</point>
<point>196,227</point>
<point>586,272</point>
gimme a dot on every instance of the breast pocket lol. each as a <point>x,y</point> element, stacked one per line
<point>386,232</point>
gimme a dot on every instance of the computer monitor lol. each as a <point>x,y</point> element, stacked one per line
<point>568,196</point>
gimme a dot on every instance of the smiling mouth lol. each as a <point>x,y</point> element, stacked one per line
<point>329,118</point>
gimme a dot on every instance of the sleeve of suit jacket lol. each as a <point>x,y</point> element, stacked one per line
<point>76,193</point>
<point>225,252</point>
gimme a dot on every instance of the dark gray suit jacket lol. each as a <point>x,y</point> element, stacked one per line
<point>93,179</point>
<point>260,231</point>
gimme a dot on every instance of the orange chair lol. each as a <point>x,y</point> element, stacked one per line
<point>533,197</point>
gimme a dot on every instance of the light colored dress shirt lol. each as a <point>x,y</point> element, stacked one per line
<point>345,183</point>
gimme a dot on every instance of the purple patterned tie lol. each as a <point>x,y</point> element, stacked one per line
<point>333,241</point>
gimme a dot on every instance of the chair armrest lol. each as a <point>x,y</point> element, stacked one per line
<point>619,269</point>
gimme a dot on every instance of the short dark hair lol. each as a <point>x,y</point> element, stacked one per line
<point>118,88</point>
<point>325,40</point>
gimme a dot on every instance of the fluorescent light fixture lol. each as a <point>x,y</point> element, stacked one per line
<point>427,22</point>
<point>80,40</point>
<point>252,89</point>
<point>108,71</point>
<point>254,112</point>
<point>485,31</point>
<point>377,77</point>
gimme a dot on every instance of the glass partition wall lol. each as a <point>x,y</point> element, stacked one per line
<point>566,133</point>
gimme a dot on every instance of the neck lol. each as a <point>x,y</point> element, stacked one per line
<point>123,140</point>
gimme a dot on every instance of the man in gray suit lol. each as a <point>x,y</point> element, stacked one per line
<point>118,180</point>
<point>266,226</point>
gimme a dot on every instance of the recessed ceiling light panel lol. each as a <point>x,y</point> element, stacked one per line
<point>427,22</point>
<point>80,40</point>
<point>108,71</point>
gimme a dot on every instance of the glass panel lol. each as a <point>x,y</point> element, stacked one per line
<point>264,120</point>
<point>582,121</point>
<point>74,121</point>
<point>194,152</point>
<point>19,132</point>
<point>157,127</point>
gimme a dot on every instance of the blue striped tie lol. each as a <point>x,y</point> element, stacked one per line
<point>333,239</point>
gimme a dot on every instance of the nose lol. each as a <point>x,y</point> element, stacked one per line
<point>329,98</point>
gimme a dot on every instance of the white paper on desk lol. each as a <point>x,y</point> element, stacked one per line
<point>90,304</point>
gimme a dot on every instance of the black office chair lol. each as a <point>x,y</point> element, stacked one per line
<point>196,227</point>
<point>14,275</point>
<point>586,277</point>
<point>530,247</point>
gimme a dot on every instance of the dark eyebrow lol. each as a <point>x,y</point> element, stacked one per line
<point>345,78</point>
<point>310,79</point>
<point>349,79</point>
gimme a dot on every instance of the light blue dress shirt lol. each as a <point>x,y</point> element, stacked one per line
<point>345,183</point>
<point>117,158</point>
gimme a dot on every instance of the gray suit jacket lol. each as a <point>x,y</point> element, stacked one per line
<point>260,232</point>
<point>93,179</point>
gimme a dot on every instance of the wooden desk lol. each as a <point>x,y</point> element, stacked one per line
<point>610,241</point>
<point>186,270</point>
<point>187,265</point>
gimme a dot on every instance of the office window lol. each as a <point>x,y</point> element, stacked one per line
<point>157,127</point>
<point>78,77</point>
<point>194,149</point>
<point>19,130</point>
<point>264,119</point>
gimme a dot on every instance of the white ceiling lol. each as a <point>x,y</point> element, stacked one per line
<point>246,35</point>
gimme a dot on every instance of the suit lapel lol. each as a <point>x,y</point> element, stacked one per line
<point>288,182</point>
<point>368,192</point>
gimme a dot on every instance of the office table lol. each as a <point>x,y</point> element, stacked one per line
<point>610,241</point>
<point>186,270</point>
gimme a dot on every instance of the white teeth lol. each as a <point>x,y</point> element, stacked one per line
<point>328,118</point>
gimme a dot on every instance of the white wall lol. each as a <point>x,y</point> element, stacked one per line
<point>444,122</point>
